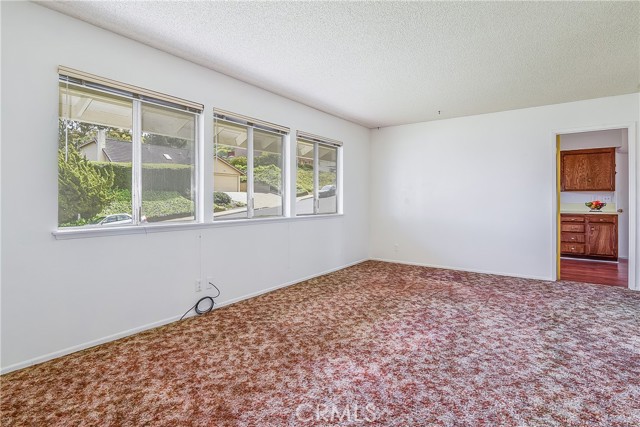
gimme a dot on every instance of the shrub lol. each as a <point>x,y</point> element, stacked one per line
<point>83,189</point>
<point>161,177</point>
<point>270,175</point>
<point>239,163</point>
<point>326,178</point>
<point>220,198</point>
<point>155,177</point>
<point>122,195</point>
<point>155,204</point>
<point>166,203</point>
<point>267,159</point>
<point>304,181</point>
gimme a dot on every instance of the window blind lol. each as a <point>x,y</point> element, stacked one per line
<point>309,137</point>
<point>91,80</point>
<point>249,121</point>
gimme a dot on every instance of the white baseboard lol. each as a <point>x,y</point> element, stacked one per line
<point>606,261</point>
<point>275,288</point>
<point>113,337</point>
<point>444,267</point>
<point>84,346</point>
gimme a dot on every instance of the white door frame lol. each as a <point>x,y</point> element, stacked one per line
<point>633,207</point>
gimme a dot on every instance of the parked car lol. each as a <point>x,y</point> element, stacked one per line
<point>327,191</point>
<point>115,219</point>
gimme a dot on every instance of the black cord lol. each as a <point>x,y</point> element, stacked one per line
<point>216,290</point>
<point>196,306</point>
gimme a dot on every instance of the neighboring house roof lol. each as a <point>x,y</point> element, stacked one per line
<point>84,144</point>
<point>118,151</point>
<point>229,165</point>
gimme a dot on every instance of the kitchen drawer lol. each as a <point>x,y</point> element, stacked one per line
<point>572,228</point>
<point>572,218</point>
<point>601,218</point>
<point>572,248</point>
<point>572,237</point>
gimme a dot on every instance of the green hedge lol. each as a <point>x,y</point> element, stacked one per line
<point>156,205</point>
<point>155,177</point>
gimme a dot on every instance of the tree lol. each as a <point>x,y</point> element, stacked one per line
<point>266,159</point>
<point>83,189</point>
<point>239,163</point>
<point>223,151</point>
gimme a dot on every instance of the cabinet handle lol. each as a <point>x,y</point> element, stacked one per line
<point>593,229</point>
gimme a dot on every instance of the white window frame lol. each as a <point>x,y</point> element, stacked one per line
<point>140,97</point>
<point>251,124</point>
<point>317,141</point>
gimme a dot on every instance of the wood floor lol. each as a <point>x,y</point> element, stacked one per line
<point>602,273</point>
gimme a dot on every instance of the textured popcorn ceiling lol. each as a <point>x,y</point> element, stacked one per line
<point>389,63</point>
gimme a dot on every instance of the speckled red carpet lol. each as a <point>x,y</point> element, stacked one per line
<point>375,344</point>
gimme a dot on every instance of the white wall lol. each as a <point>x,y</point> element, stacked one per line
<point>59,295</point>
<point>477,193</point>
<point>596,139</point>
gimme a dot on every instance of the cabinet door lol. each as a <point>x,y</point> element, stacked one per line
<point>574,171</point>
<point>602,239</point>
<point>588,170</point>
<point>602,171</point>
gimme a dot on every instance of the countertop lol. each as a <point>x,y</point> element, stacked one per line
<point>589,213</point>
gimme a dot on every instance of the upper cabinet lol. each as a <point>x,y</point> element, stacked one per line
<point>588,170</point>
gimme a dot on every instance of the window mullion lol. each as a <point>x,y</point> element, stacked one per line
<point>287,200</point>
<point>316,178</point>
<point>136,162</point>
<point>339,180</point>
<point>250,172</point>
<point>200,170</point>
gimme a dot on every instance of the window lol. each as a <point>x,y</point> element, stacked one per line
<point>317,175</point>
<point>126,156</point>
<point>248,168</point>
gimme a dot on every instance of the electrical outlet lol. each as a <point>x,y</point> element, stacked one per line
<point>209,285</point>
<point>198,285</point>
<point>396,248</point>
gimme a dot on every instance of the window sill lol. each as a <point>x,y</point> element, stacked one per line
<point>83,233</point>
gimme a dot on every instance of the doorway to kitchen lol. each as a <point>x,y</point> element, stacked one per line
<point>595,198</point>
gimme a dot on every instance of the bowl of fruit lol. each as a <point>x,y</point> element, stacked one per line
<point>595,205</point>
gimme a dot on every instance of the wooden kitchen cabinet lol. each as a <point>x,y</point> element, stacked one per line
<point>588,170</point>
<point>603,240</point>
<point>589,235</point>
